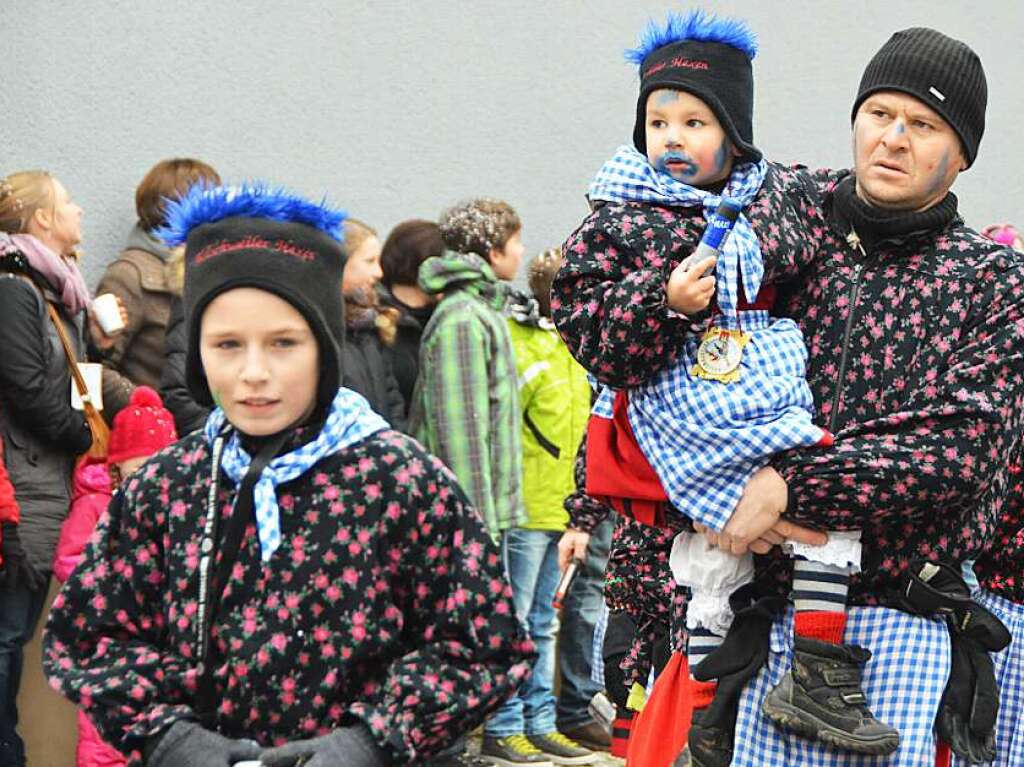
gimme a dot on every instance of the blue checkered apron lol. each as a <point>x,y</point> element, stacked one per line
<point>904,681</point>
<point>706,438</point>
<point>1010,675</point>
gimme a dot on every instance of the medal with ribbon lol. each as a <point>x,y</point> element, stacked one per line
<point>720,354</point>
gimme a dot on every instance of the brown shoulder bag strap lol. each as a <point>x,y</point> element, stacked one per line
<point>100,431</point>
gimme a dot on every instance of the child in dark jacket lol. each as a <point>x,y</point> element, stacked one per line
<point>370,328</point>
<point>141,429</point>
<point>408,245</point>
<point>694,422</point>
<point>296,582</point>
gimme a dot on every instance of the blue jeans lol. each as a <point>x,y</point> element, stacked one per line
<point>19,613</point>
<point>531,560</point>
<point>579,617</point>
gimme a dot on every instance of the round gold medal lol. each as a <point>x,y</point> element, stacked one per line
<point>720,353</point>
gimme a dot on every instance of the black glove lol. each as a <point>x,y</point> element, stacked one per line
<point>932,588</point>
<point>187,744</point>
<point>740,656</point>
<point>349,746</point>
<point>970,703</point>
<point>17,567</point>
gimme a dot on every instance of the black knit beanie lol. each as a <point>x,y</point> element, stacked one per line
<point>705,56</point>
<point>941,72</point>
<point>255,237</point>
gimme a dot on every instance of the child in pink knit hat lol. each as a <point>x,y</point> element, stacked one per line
<point>1005,234</point>
<point>141,429</point>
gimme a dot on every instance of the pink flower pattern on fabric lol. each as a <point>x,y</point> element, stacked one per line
<point>392,609</point>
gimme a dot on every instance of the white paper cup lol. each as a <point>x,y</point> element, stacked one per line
<point>92,372</point>
<point>108,314</point>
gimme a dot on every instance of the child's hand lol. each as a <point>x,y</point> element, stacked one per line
<point>572,545</point>
<point>687,290</point>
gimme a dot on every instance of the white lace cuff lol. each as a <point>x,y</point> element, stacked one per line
<point>709,610</point>
<point>712,576</point>
<point>842,550</point>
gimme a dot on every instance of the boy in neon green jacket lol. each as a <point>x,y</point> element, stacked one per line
<point>554,398</point>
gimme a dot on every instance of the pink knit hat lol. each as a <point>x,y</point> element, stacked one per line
<point>142,428</point>
<point>1004,234</point>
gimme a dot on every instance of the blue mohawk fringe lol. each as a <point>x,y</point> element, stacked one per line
<point>696,25</point>
<point>254,199</point>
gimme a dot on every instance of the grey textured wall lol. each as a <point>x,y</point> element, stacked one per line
<point>397,109</point>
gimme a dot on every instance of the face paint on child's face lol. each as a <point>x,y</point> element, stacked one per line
<point>685,139</point>
<point>666,97</point>
<point>678,165</point>
<point>261,358</point>
<point>722,157</point>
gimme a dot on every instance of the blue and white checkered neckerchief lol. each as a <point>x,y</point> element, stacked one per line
<point>629,177</point>
<point>349,421</point>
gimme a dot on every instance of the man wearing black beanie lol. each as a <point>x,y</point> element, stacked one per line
<point>914,324</point>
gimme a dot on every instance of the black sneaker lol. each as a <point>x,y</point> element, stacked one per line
<point>560,749</point>
<point>513,751</point>
<point>821,698</point>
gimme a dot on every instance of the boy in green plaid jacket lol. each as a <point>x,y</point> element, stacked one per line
<point>465,406</point>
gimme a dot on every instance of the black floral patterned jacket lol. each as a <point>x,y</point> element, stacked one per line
<point>608,299</point>
<point>917,367</point>
<point>1000,568</point>
<point>386,603</point>
<point>916,360</point>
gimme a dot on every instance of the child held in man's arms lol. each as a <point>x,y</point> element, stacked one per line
<point>688,418</point>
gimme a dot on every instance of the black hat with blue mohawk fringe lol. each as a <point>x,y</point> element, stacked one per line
<point>708,57</point>
<point>258,236</point>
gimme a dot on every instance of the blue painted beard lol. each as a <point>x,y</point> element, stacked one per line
<point>682,166</point>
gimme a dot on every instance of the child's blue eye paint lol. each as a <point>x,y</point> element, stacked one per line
<point>665,97</point>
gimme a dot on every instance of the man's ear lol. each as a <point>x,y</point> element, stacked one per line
<point>735,151</point>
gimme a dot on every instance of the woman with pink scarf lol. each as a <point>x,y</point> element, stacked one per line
<point>42,433</point>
